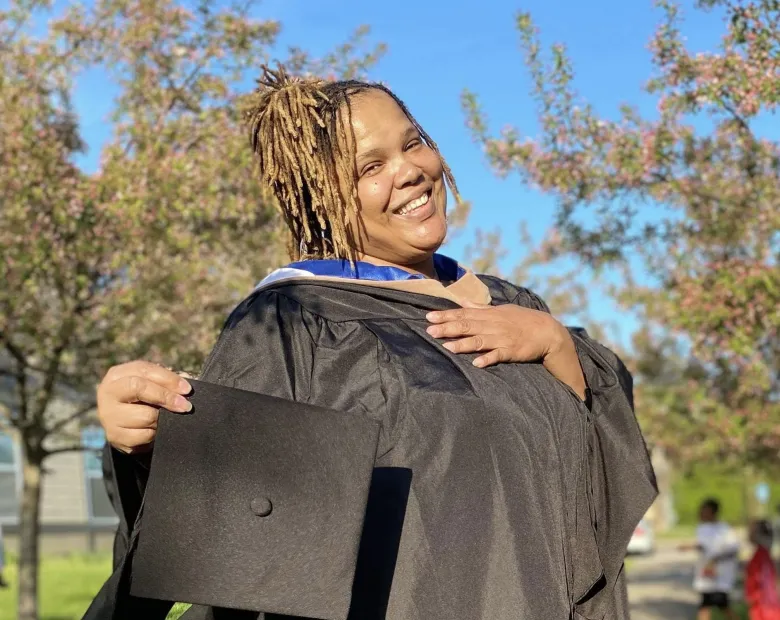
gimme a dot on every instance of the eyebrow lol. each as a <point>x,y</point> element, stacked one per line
<point>409,133</point>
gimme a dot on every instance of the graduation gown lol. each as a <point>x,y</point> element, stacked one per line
<point>491,494</point>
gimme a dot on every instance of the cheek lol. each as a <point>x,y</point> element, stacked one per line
<point>432,165</point>
<point>374,194</point>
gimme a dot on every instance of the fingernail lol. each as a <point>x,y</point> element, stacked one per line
<point>432,330</point>
<point>477,362</point>
<point>183,404</point>
<point>184,387</point>
<point>432,316</point>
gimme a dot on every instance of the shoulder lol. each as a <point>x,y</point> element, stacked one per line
<point>505,292</point>
<point>304,312</point>
<point>267,329</point>
<point>726,529</point>
<point>261,320</point>
<point>277,309</point>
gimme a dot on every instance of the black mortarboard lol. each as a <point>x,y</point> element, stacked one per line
<point>257,503</point>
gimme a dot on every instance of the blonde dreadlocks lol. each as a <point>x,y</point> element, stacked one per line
<point>301,133</point>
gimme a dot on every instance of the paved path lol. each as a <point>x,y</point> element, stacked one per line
<point>659,586</point>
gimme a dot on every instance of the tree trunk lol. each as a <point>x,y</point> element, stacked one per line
<point>28,540</point>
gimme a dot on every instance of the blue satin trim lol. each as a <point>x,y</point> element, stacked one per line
<point>446,268</point>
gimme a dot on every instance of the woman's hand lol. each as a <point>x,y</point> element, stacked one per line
<point>510,333</point>
<point>129,398</point>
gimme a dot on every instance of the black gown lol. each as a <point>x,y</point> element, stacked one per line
<point>496,493</point>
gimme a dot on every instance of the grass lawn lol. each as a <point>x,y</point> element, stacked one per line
<point>741,610</point>
<point>68,585</point>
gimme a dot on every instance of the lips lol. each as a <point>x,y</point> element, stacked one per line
<point>417,209</point>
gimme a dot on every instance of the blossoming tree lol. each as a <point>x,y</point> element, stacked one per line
<point>706,182</point>
<point>144,256</point>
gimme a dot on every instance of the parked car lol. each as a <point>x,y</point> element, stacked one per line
<point>643,540</point>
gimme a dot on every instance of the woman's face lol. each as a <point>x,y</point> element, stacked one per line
<point>401,187</point>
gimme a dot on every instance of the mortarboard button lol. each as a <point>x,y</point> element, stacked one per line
<point>261,506</point>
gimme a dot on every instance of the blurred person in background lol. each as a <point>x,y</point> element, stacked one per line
<point>761,579</point>
<point>716,570</point>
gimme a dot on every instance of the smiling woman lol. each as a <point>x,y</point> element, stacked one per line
<point>403,200</point>
<point>378,433</point>
<point>397,212</point>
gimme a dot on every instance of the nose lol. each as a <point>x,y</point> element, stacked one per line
<point>408,173</point>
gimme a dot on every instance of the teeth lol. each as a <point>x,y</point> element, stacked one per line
<point>414,204</point>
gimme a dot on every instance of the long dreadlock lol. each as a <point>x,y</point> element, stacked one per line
<point>301,133</point>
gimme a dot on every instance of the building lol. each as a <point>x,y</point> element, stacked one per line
<point>76,515</point>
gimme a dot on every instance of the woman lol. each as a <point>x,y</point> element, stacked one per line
<point>500,489</point>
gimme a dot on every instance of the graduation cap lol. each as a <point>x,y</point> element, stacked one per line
<point>255,503</point>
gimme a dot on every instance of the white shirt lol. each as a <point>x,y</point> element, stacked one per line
<point>717,539</point>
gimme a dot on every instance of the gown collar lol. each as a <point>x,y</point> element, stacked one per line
<point>465,288</point>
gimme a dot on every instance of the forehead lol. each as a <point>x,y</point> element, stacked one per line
<point>376,117</point>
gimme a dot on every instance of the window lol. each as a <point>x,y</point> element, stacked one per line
<point>9,479</point>
<point>98,505</point>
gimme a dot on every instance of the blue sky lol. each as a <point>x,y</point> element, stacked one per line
<point>436,49</point>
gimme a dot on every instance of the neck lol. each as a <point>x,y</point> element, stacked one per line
<point>425,267</point>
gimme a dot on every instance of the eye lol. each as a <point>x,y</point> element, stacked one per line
<point>370,169</point>
<point>413,144</point>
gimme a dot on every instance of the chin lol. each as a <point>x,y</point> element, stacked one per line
<point>432,246</point>
<point>433,237</point>
<point>424,249</point>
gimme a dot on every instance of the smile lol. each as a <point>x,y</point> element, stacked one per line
<point>418,209</point>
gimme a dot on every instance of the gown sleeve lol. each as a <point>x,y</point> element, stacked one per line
<point>620,483</point>
<point>267,346</point>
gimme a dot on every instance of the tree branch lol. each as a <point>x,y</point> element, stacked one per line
<point>18,26</point>
<point>743,124</point>
<point>75,447</point>
<point>52,371</point>
<point>63,422</point>
<point>20,377</point>
<point>15,352</point>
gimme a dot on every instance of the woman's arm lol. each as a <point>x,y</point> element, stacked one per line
<point>511,333</point>
<point>268,347</point>
<point>256,337</point>
<point>563,363</point>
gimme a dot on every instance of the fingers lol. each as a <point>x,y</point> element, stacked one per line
<point>136,389</point>
<point>461,327</point>
<point>129,398</point>
<point>446,316</point>
<point>135,428</point>
<point>472,344</point>
<point>137,416</point>
<point>131,441</point>
<point>153,372</point>
<point>491,358</point>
